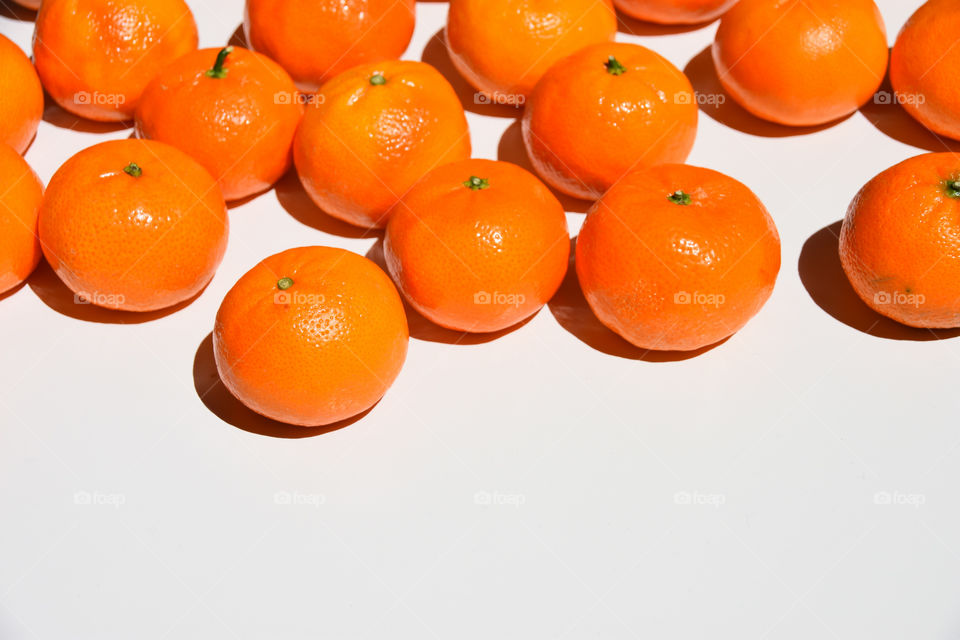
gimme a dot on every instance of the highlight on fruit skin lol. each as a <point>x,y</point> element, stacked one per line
<point>677,258</point>
<point>678,12</point>
<point>311,336</point>
<point>133,225</point>
<point>21,193</point>
<point>900,242</point>
<point>477,245</point>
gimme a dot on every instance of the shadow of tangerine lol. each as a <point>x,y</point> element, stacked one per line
<point>423,329</point>
<point>221,403</point>
<point>572,311</point>
<point>61,118</point>
<point>635,27</point>
<point>295,201</point>
<point>55,294</point>
<point>720,106</point>
<point>825,281</point>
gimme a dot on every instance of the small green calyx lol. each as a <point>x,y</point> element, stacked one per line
<point>284,283</point>
<point>377,79</point>
<point>953,188</point>
<point>680,197</point>
<point>477,184</point>
<point>218,71</point>
<point>133,169</point>
<point>614,67</point>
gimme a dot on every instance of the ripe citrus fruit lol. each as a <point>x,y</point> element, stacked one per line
<point>605,110</point>
<point>96,56</point>
<point>674,11</point>
<point>233,110</point>
<point>801,62</point>
<point>372,132</point>
<point>133,224</point>
<point>923,64</point>
<point>311,336</point>
<point>502,47</point>
<point>20,194</point>
<point>900,242</point>
<point>21,105</point>
<point>478,245</point>
<point>316,40</point>
<point>675,258</point>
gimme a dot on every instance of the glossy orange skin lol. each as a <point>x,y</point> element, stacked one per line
<point>900,242</point>
<point>675,11</point>
<point>361,146</point>
<point>317,39</point>
<point>239,127</point>
<point>323,350</point>
<point>801,62</point>
<point>675,277</point>
<point>447,245</point>
<point>95,57</point>
<point>923,67</point>
<point>137,244</point>
<point>21,97</point>
<point>584,128</point>
<point>502,47</point>
<point>20,195</point>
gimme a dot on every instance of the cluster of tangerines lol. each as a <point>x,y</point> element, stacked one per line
<point>670,256</point>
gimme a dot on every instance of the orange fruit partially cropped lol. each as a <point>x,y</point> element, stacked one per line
<point>478,245</point>
<point>316,40</point>
<point>801,62</point>
<point>675,258</point>
<point>95,57</point>
<point>605,110</point>
<point>233,110</point>
<point>20,195</point>
<point>311,336</point>
<point>923,67</point>
<point>372,132</point>
<point>900,242</point>
<point>133,224</point>
<point>674,11</point>
<point>21,97</point>
<point>502,47</point>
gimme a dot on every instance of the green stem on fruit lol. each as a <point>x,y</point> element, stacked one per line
<point>680,197</point>
<point>953,188</point>
<point>133,169</point>
<point>477,184</point>
<point>614,67</point>
<point>284,283</point>
<point>218,71</point>
<point>377,79</point>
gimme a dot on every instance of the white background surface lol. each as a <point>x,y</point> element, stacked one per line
<point>780,440</point>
